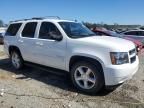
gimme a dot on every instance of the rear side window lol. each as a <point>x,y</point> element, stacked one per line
<point>13,29</point>
<point>29,30</point>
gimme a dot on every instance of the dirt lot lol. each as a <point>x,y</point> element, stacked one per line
<point>34,88</point>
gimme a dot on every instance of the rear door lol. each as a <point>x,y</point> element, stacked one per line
<point>26,42</point>
<point>141,36</point>
<point>11,35</point>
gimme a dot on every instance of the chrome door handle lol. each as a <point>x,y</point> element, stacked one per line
<point>21,41</point>
<point>39,43</point>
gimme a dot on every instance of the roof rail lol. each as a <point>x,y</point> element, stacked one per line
<point>57,17</point>
<point>40,18</point>
<point>37,18</point>
<point>21,20</point>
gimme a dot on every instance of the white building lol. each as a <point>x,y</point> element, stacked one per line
<point>2,29</point>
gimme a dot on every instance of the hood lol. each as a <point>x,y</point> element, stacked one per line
<point>112,43</point>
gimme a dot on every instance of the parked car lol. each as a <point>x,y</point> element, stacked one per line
<point>100,32</point>
<point>92,61</point>
<point>135,34</point>
<point>2,31</point>
<point>1,38</point>
<point>142,27</point>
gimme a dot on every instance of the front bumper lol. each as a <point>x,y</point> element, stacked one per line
<point>117,74</point>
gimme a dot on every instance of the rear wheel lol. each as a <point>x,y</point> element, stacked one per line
<point>16,60</point>
<point>87,77</point>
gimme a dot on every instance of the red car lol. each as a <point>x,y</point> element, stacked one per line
<point>102,32</point>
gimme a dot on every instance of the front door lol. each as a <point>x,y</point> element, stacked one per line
<point>50,52</point>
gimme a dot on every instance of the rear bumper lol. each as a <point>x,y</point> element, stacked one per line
<point>115,75</point>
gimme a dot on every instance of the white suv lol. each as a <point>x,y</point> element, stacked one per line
<point>93,61</point>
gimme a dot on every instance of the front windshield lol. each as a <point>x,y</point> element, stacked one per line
<point>76,30</point>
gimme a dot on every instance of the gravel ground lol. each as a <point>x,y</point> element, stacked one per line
<point>1,49</point>
<point>34,88</point>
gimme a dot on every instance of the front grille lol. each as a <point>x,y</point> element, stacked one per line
<point>133,59</point>
<point>132,51</point>
<point>132,55</point>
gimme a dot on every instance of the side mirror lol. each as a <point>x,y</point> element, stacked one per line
<point>57,37</point>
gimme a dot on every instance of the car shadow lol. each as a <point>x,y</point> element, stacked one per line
<point>60,80</point>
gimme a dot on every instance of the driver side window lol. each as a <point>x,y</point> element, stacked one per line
<point>48,31</point>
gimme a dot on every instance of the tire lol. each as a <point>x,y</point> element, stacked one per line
<point>16,60</point>
<point>92,75</point>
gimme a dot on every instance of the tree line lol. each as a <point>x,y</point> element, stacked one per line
<point>110,27</point>
<point>94,25</point>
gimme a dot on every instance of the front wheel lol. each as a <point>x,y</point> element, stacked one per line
<point>16,60</point>
<point>87,77</point>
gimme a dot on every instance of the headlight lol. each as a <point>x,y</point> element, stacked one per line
<point>118,58</point>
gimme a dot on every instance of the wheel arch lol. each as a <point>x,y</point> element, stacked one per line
<point>77,58</point>
<point>12,48</point>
